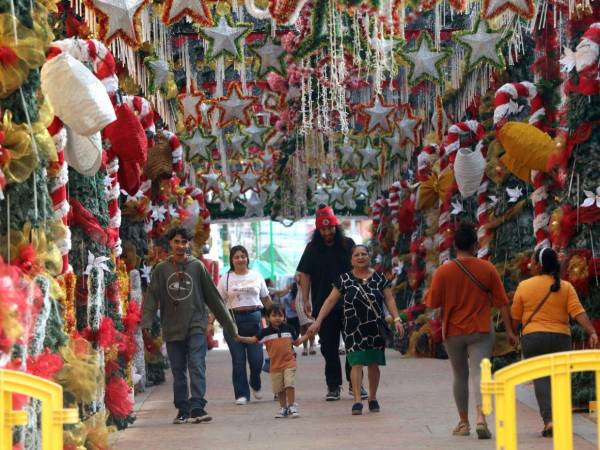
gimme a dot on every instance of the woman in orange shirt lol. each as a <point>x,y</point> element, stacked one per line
<point>543,304</point>
<point>465,290</point>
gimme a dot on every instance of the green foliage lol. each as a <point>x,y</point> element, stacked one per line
<point>15,102</point>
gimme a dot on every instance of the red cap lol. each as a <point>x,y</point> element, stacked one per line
<point>325,218</point>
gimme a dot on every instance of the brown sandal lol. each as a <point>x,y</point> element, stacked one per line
<point>483,432</point>
<point>462,429</point>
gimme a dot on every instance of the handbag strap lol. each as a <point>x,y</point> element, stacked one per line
<point>535,311</point>
<point>473,278</point>
<point>371,304</point>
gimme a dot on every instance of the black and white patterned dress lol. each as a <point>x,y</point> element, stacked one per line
<point>360,315</point>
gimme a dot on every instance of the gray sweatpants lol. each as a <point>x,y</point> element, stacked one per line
<point>465,353</point>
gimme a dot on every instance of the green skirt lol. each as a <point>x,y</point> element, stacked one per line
<point>366,357</point>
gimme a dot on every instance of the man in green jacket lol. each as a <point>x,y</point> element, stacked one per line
<point>183,291</point>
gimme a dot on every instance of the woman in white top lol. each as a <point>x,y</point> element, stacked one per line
<point>245,294</point>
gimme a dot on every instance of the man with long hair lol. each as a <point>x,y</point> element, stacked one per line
<point>325,258</point>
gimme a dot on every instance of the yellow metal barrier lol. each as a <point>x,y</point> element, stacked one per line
<point>559,367</point>
<point>53,413</point>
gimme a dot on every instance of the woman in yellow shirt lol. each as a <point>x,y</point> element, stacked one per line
<point>543,304</point>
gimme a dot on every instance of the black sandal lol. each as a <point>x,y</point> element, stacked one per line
<point>357,409</point>
<point>547,432</point>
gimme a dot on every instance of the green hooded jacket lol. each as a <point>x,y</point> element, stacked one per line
<point>184,293</point>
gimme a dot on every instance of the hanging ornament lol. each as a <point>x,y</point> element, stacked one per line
<point>249,179</point>
<point>235,107</point>
<point>377,114</point>
<point>225,38</point>
<point>408,126</point>
<point>425,63</point>
<point>271,188</point>
<point>235,189</point>
<point>159,72</point>
<point>237,141</point>
<point>369,156</point>
<point>482,45</point>
<point>347,152</point>
<point>493,8</point>
<point>336,194</point>
<point>201,145</point>
<point>119,18</point>
<point>394,143</point>
<point>189,104</point>
<point>361,186</point>
<point>270,55</point>
<point>255,206</point>
<point>210,180</point>
<point>255,133</point>
<point>197,10</point>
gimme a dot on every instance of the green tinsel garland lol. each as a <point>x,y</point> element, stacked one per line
<point>318,36</point>
<point>14,102</point>
<point>21,199</point>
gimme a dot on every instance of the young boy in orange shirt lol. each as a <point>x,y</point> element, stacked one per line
<point>279,337</point>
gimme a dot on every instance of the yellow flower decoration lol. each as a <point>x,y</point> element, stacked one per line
<point>17,140</point>
<point>18,53</point>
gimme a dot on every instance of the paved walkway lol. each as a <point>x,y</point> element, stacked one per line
<point>417,412</point>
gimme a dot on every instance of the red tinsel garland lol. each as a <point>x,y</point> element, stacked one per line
<point>117,398</point>
<point>45,365</point>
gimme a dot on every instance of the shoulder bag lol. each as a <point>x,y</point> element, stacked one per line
<point>382,327</point>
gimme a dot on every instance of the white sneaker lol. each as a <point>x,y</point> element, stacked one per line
<point>293,411</point>
<point>282,413</point>
<point>241,401</point>
<point>258,395</point>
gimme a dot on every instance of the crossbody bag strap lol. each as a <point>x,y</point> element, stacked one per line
<point>473,278</point>
<point>371,304</point>
<point>535,311</point>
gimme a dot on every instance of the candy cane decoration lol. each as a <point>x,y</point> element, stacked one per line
<point>58,178</point>
<point>176,150</point>
<point>448,155</point>
<point>377,211</point>
<point>425,159</point>
<point>505,105</point>
<point>112,197</point>
<point>145,113</point>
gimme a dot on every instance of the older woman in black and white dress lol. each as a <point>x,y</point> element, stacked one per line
<point>363,291</point>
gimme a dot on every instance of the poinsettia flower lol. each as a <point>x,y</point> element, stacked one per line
<point>173,211</point>
<point>514,194</point>
<point>493,200</point>
<point>567,62</point>
<point>146,272</point>
<point>457,207</point>
<point>591,198</point>
<point>158,212</point>
<point>96,262</point>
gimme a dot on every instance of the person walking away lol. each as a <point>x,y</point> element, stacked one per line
<point>182,289</point>
<point>543,305</point>
<point>279,337</point>
<point>466,289</point>
<point>325,258</point>
<point>363,291</point>
<point>303,320</point>
<point>245,294</point>
<point>288,301</point>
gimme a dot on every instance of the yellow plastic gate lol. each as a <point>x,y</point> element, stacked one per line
<point>559,367</point>
<point>53,413</point>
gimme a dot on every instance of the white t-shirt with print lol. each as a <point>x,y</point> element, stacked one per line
<point>242,290</point>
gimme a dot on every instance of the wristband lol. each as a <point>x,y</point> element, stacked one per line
<point>397,319</point>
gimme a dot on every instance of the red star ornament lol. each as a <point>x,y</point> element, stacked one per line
<point>118,18</point>
<point>189,103</point>
<point>249,179</point>
<point>235,107</point>
<point>493,8</point>
<point>175,10</point>
<point>377,115</point>
<point>408,125</point>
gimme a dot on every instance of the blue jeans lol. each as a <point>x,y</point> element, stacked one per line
<point>189,354</point>
<point>249,324</point>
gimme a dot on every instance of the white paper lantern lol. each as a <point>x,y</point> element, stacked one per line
<point>84,153</point>
<point>78,98</point>
<point>468,170</point>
